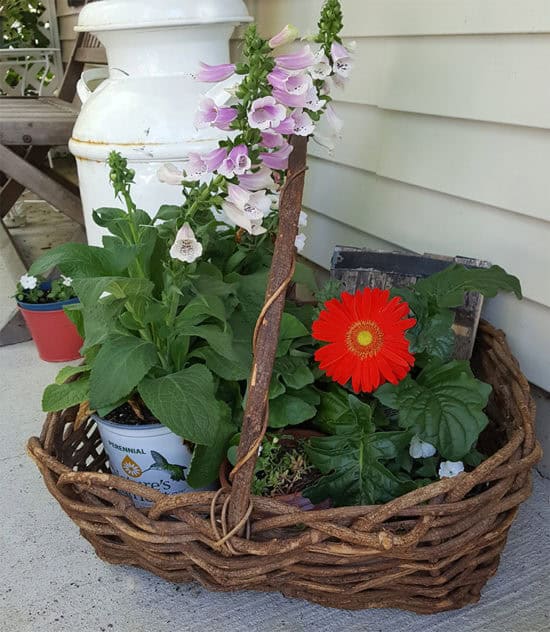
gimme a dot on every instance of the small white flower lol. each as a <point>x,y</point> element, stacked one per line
<point>170,174</point>
<point>300,242</point>
<point>67,281</point>
<point>421,449</point>
<point>448,469</point>
<point>186,248</point>
<point>28,282</point>
<point>260,450</point>
<point>321,69</point>
<point>247,210</point>
<point>303,219</point>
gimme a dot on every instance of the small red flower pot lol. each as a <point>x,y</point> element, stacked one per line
<point>54,335</point>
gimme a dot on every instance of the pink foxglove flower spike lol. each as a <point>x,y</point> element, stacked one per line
<point>277,160</point>
<point>286,36</point>
<point>300,60</point>
<point>186,248</point>
<point>271,139</point>
<point>294,84</point>
<point>214,74</point>
<point>304,125</point>
<point>262,179</point>
<point>343,62</point>
<point>290,100</point>
<point>210,114</point>
<point>266,113</point>
<point>237,162</point>
<point>200,166</point>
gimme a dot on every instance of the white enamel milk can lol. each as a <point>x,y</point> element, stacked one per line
<point>144,103</point>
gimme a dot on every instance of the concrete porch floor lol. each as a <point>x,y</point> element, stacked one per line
<point>51,580</point>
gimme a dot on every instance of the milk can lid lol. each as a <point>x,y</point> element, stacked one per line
<point>110,15</point>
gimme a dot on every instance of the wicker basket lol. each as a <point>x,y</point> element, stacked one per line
<point>428,551</point>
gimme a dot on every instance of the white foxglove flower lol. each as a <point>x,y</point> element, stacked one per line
<point>312,101</point>
<point>321,68</point>
<point>448,469</point>
<point>186,248</point>
<point>300,242</point>
<point>170,174</point>
<point>304,126</point>
<point>421,449</point>
<point>67,281</point>
<point>246,209</point>
<point>28,282</point>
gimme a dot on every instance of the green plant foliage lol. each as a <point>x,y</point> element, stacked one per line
<point>186,403</point>
<point>443,406</point>
<point>352,460</point>
<point>432,298</point>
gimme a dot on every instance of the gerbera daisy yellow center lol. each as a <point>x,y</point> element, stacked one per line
<point>364,338</point>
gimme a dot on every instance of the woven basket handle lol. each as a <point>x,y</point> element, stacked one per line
<point>266,336</point>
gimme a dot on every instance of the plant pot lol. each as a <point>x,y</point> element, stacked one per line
<point>54,335</point>
<point>296,499</point>
<point>150,454</point>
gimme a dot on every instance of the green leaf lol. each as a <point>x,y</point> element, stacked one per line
<point>294,371</point>
<point>69,371</point>
<point>287,410</point>
<point>444,406</point>
<point>218,340</point>
<point>75,260</point>
<point>185,402</point>
<point>120,365</point>
<point>351,459</point>
<point>100,321</point>
<point>60,396</point>
<point>206,460</point>
<point>449,285</point>
<point>334,404</point>
<point>291,328</point>
<point>201,308</point>
<point>75,315</point>
<point>90,290</point>
<point>169,211</point>
<point>124,254</point>
<point>434,336</point>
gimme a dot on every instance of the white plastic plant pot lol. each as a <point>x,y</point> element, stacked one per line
<point>150,454</point>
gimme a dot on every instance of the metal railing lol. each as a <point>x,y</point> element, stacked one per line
<point>33,71</point>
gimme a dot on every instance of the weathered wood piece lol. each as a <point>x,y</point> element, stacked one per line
<point>358,268</point>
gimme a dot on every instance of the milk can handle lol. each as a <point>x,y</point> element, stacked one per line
<point>94,74</point>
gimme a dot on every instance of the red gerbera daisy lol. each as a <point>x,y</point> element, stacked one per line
<point>366,336</point>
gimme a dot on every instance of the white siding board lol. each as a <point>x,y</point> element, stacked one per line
<point>324,233</point>
<point>425,221</point>
<point>364,18</point>
<point>473,77</point>
<point>501,165</point>
<point>526,327</point>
